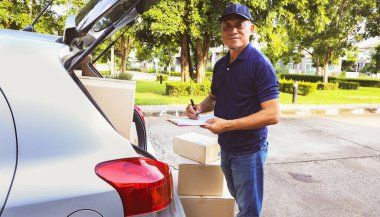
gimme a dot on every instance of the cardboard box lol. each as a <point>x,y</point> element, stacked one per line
<point>201,206</point>
<point>197,179</point>
<point>203,149</point>
<point>116,98</point>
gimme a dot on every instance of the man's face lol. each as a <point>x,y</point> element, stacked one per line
<point>236,32</point>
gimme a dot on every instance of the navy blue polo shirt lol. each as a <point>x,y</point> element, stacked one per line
<point>240,88</point>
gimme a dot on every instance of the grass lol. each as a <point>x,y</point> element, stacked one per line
<point>153,93</point>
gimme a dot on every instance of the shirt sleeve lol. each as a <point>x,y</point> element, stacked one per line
<point>266,82</point>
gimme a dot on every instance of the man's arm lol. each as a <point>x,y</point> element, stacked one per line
<point>207,105</point>
<point>269,115</point>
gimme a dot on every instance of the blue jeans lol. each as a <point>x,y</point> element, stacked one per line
<point>245,179</point>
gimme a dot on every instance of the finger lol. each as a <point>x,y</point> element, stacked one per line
<point>210,121</point>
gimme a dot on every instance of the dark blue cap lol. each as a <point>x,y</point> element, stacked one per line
<point>237,9</point>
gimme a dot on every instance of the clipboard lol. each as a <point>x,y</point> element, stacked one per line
<point>190,122</point>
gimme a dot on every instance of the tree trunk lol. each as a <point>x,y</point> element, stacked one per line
<point>125,47</point>
<point>202,48</point>
<point>185,77</point>
<point>326,69</point>
<point>317,67</point>
<point>191,70</point>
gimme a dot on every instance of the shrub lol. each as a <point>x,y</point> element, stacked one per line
<point>185,89</point>
<point>327,86</point>
<point>164,77</point>
<point>152,70</point>
<point>286,86</point>
<point>134,69</point>
<point>363,82</point>
<point>304,88</point>
<point>348,85</point>
<point>105,73</point>
<point>124,76</point>
<point>172,73</point>
<point>302,77</point>
<point>176,88</point>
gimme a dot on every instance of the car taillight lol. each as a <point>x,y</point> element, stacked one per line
<point>144,185</point>
<point>138,109</point>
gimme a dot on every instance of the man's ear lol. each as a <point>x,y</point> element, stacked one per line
<point>252,28</point>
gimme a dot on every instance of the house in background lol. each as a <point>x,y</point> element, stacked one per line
<point>366,50</point>
<point>306,66</point>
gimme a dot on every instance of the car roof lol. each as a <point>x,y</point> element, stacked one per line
<point>29,35</point>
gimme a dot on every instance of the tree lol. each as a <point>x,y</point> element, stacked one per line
<point>166,24</point>
<point>324,28</point>
<point>374,65</point>
<point>124,45</point>
<point>17,14</point>
<point>372,26</point>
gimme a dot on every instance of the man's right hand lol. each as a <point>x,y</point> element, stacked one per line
<point>191,113</point>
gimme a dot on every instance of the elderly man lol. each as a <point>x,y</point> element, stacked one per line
<point>244,97</point>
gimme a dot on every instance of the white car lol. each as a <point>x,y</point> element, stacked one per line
<point>59,155</point>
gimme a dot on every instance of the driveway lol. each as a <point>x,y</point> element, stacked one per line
<point>317,165</point>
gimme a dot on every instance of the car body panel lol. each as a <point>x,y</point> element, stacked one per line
<point>8,149</point>
<point>46,101</point>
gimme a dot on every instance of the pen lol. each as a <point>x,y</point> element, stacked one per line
<point>195,109</point>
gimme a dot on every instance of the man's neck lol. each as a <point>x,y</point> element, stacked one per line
<point>235,52</point>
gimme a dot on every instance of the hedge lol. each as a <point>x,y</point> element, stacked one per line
<point>327,86</point>
<point>186,88</point>
<point>304,88</point>
<point>302,77</point>
<point>348,85</point>
<point>364,82</point>
<point>120,76</point>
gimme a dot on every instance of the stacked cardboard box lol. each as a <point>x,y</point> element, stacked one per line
<point>201,184</point>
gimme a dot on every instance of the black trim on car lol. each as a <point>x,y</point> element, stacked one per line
<point>16,163</point>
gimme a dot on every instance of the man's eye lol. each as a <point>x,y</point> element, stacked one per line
<point>240,26</point>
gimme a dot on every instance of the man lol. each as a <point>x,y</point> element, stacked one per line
<point>244,98</point>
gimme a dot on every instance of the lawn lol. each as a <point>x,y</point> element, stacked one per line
<point>153,93</point>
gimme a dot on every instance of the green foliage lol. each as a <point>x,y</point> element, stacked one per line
<point>374,65</point>
<point>302,77</point>
<point>327,86</point>
<point>16,14</point>
<point>178,74</point>
<point>364,82</point>
<point>304,88</point>
<point>106,73</point>
<point>322,28</point>
<point>154,93</point>
<point>164,77</point>
<point>177,88</point>
<point>286,86</point>
<point>134,69</point>
<point>120,76</point>
<point>186,89</point>
<point>125,76</point>
<point>348,85</point>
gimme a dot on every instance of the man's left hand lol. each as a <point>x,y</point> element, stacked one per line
<point>217,125</point>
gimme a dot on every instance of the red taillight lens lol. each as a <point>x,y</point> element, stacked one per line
<point>144,184</point>
<point>138,109</point>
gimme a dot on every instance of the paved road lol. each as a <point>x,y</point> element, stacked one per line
<point>317,165</point>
